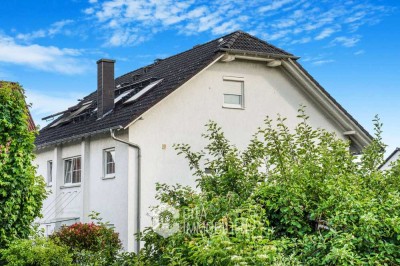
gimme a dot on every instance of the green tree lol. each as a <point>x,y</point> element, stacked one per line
<point>21,191</point>
<point>293,197</point>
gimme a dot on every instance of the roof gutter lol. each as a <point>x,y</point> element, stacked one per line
<point>69,139</point>
<point>138,192</point>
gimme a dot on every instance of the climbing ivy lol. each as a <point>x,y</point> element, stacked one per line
<point>21,191</point>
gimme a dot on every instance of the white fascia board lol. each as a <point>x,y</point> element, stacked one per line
<point>171,94</point>
<point>313,90</point>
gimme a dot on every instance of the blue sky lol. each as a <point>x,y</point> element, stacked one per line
<point>350,47</point>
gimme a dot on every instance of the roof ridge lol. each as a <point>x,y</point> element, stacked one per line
<point>267,43</point>
<point>188,50</point>
<point>232,40</point>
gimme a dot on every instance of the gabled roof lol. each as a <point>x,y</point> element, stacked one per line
<point>171,73</point>
<point>387,160</point>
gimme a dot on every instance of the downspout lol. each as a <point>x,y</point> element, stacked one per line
<point>138,183</point>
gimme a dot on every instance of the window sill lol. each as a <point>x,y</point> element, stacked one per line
<point>108,177</point>
<point>233,107</point>
<point>70,186</point>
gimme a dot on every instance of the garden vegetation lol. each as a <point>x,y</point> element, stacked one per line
<point>21,191</point>
<point>292,197</point>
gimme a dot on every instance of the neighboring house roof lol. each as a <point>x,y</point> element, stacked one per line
<point>171,73</point>
<point>31,124</point>
<point>387,160</point>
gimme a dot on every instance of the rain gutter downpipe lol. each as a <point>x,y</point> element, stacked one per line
<point>138,194</point>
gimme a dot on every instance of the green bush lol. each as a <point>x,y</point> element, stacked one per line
<point>21,191</point>
<point>37,251</point>
<point>293,197</point>
<point>90,243</point>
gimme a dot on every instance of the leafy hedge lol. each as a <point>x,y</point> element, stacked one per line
<point>36,251</point>
<point>293,197</point>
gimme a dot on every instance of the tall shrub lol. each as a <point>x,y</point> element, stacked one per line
<point>293,197</point>
<point>21,191</point>
<point>90,243</point>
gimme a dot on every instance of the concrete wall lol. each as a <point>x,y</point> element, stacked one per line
<point>180,118</point>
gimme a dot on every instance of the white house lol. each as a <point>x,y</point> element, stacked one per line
<point>235,80</point>
<point>393,157</point>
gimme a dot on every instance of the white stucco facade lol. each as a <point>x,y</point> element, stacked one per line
<point>67,204</point>
<point>393,157</point>
<point>179,118</point>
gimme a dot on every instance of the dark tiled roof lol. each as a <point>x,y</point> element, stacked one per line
<point>174,71</point>
<point>243,41</point>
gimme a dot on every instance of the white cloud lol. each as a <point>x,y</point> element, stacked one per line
<point>346,41</point>
<point>284,23</point>
<point>322,62</point>
<point>47,58</point>
<point>274,5</point>
<point>88,11</point>
<point>279,20</point>
<point>225,27</point>
<point>302,40</point>
<point>359,52</point>
<point>44,104</point>
<point>325,33</point>
<point>55,28</point>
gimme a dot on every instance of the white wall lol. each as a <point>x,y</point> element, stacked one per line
<point>180,118</point>
<point>109,197</point>
<point>393,159</point>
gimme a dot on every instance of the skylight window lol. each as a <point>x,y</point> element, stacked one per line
<point>73,114</point>
<point>122,96</point>
<point>143,91</point>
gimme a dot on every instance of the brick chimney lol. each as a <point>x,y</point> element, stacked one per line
<point>105,86</point>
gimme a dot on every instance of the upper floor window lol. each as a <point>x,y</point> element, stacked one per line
<point>49,173</point>
<point>109,163</point>
<point>233,90</point>
<point>72,170</point>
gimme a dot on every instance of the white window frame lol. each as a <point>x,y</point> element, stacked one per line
<point>49,178</point>
<point>234,106</point>
<point>72,159</point>
<point>105,163</point>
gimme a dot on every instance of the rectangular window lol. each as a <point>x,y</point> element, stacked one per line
<point>233,91</point>
<point>109,163</point>
<point>72,170</point>
<point>49,172</point>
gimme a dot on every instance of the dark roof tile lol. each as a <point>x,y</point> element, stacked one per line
<point>174,71</point>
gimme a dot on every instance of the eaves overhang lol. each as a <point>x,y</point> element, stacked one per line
<point>75,138</point>
<point>257,54</point>
<point>339,115</point>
